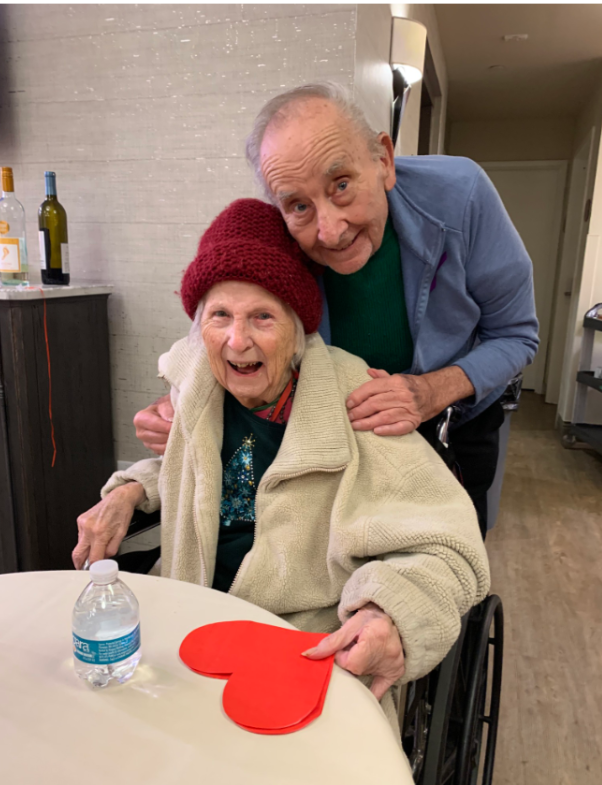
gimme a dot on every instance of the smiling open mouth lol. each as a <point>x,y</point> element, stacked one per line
<point>245,369</point>
<point>346,248</point>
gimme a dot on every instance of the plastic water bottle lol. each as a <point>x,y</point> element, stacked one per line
<point>106,628</point>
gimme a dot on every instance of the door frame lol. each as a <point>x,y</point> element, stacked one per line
<point>574,330</point>
<point>570,263</point>
<point>561,167</point>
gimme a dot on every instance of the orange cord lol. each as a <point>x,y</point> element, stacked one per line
<point>49,378</point>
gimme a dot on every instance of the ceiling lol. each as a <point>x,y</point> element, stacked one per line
<point>552,74</point>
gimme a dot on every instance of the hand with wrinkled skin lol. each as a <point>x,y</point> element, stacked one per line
<point>367,644</point>
<point>153,424</point>
<point>396,404</point>
<point>103,527</point>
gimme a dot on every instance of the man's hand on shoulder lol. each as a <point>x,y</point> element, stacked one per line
<point>153,424</point>
<point>388,404</point>
<point>396,404</point>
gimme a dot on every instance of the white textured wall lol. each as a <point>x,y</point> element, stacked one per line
<point>142,112</point>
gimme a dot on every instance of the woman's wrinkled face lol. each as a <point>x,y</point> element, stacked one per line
<point>250,340</point>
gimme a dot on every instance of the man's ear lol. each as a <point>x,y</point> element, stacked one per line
<point>388,160</point>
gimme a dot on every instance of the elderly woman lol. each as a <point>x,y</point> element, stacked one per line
<point>267,492</point>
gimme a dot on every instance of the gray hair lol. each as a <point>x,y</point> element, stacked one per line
<point>330,91</point>
<point>195,338</point>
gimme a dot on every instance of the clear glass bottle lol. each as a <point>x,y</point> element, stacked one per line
<point>106,628</point>
<point>54,242</point>
<point>14,270</point>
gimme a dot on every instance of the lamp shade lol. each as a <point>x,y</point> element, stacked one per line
<point>408,47</point>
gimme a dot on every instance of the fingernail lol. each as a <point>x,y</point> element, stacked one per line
<point>308,653</point>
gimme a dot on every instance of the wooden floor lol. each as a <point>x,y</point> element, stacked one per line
<point>546,563</point>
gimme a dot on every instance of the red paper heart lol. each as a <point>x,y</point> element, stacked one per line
<point>271,687</point>
<point>314,714</point>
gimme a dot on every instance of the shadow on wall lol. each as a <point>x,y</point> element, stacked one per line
<point>7,117</point>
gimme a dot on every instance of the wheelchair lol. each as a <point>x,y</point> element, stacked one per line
<point>450,722</point>
<point>450,718</point>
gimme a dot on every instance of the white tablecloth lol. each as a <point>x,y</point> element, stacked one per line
<point>166,725</point>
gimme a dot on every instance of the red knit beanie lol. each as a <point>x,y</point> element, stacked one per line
<point>249,241</point>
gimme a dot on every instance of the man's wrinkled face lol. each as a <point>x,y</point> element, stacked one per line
<point>330,190</point>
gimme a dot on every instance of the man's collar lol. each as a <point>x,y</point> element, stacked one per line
<point>416,229</point>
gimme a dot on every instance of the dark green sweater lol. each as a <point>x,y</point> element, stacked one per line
<point>367,309</point>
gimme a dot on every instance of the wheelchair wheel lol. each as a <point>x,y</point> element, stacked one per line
<point>430,703</point>
<point>470,748</point>
<point>445,717</point>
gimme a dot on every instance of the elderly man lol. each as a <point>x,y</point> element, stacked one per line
<point>425,276</point>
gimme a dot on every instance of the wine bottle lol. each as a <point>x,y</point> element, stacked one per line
<point>14,270</point>
<point>54,244</point>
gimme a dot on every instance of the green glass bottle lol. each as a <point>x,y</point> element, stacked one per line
<point>54,243</point>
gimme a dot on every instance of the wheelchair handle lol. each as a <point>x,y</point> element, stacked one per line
<point>443,426</point>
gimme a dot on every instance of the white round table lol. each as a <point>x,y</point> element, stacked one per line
<point>166,726</point>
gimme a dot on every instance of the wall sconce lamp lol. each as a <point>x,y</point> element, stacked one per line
<point>408,47</point>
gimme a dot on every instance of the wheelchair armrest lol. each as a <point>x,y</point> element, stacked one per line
<point>142,522</point>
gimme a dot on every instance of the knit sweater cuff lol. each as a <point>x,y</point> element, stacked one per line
<point>146,472</point>
<point>428,623</point>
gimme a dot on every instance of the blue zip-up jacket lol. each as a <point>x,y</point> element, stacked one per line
<point>467,276</point>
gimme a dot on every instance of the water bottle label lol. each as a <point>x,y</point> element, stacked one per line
<point>107,652</point>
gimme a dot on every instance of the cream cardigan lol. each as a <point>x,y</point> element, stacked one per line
<point>343,517</point>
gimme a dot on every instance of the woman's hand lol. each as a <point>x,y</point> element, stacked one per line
<point>103,527</point>
<point>367,644</point>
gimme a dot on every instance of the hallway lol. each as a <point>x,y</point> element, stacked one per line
<point>546,564</point>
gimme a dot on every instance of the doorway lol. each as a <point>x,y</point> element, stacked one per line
<point>571,260</point>
<point>533,194</point>
<point>431,108</point>
<point>579,208</point>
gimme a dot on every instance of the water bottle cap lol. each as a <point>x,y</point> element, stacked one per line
<point>104,571</point>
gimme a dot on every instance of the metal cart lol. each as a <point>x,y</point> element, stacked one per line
<point>579,430</point>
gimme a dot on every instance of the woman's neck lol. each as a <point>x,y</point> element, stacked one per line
<point>268,398</point>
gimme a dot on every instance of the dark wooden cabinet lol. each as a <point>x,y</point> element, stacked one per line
<point>39,503</point>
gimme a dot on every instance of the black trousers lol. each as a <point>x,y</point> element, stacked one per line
<point>474,447</point>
